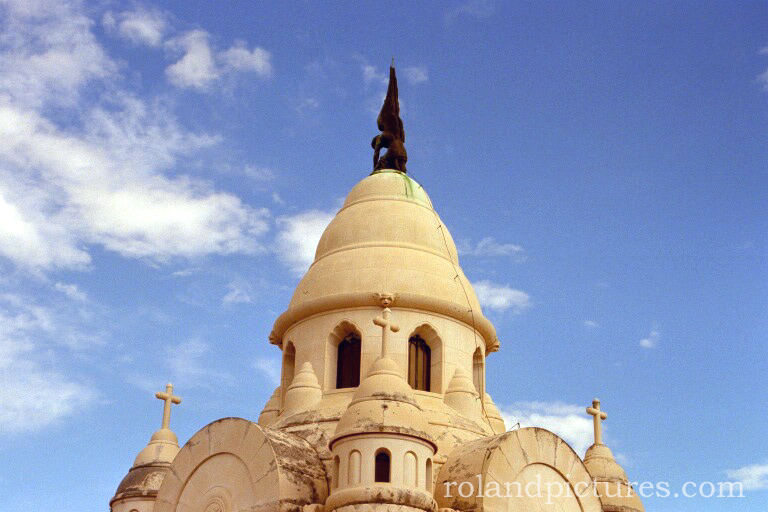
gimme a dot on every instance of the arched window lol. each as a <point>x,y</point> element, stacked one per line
<point>348,362</point>
<point>381,473</point>
<point>419,363</point>
<point>478,372</point>
<point>410,470</point>
<point>429,475</point>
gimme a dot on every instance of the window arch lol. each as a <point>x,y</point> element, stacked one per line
<point>348,362</point>
<point>428,480</point>
<point>419,363</point>
<point>436,364</point>
<point>382,466</point>
<point>344,331</point>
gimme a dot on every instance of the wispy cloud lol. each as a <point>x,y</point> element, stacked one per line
<point>107,183</point>
<point>478,9</point>
<point>489,247</point>
<point>567,421</point>
<point>416,74</point>
<point>298,237</point>
<point>500,297</point>
<point>200,65</point>
<point>34,392</point>
<point>238,293</point>
<point>591,324</point>
<point>753,477</point>
<point>269,368</point>
<point>652,340</point>
<point>141,25</point>
<point>71,291</point>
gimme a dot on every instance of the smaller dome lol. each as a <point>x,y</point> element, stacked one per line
<point>163,447</point>
<point>383,402</point>
<point>611,482</point>
<point>271,410</point>
<point>151,464</point>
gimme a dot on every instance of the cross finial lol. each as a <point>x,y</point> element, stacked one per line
<point>169,399</point>
<point>598,416</point>
<point>386,325</point>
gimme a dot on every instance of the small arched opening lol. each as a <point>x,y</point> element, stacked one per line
<point>419,363</point>
<point>382,466</point>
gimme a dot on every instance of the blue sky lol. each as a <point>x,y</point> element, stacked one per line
<point>166,169</point>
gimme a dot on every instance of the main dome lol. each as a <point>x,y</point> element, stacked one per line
<point>386,239</point>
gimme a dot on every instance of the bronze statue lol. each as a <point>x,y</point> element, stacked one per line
<point>392,135</point>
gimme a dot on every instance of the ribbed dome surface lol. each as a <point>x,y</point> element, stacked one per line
<point>387,238</point>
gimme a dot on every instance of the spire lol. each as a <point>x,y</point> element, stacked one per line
<point>392,136</point>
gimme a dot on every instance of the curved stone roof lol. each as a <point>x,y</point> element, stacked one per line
<point>387,239</point>
<point>383,403</point>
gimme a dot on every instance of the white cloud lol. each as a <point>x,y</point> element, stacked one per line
<point>196,68</point>
<point>240,58</point>
<point>269,368</point>
<point>141,25</point>
<point>237,293</point>
<point>501,297</point>
<point>199,66</point>
<point>71,291</point>
<point>489,247</point>
<point>48,53</point>
<point>189,364</point>
<point>591,324</point>
<point>371,74</point>
<point>652,340</point>
<point>567,421</point>
<point>33,392</point>
<point>416,74</point>
<point>259,174</point>
<point>102,180</point>
<point>298,237</point>
<point>753,477</point>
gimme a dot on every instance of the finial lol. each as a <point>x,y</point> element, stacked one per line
<point>393,62</point>
<point>386,325</point>
<point>169,399</point>
<point>597,416</point>
<point>392,137</point>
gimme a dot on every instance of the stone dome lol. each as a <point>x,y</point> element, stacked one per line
<point>611,482</point>
<point>387,239</point>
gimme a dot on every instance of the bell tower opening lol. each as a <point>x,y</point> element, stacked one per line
<point>419,363</point>
<point>348,362</point>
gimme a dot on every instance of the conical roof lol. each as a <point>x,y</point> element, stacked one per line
<point>383,402</point>
<point>388,239</point>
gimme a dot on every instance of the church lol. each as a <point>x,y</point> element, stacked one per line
<point>382,405</point>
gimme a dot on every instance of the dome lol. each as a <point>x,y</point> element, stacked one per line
<point>387,239</point>
<point>383,403</point>
<point>149,468</point>
<point>611,482</point>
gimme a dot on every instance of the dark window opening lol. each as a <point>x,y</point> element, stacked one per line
<point>382,467</point>
<point>419,363</point>
<point>348,362</point>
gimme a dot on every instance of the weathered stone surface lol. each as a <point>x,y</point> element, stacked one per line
<point>234,464</point>
<point>524,466</point>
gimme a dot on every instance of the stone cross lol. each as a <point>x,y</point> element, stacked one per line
<point>168,398</point>
<point>597,416</point>
<point>386,325</point>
